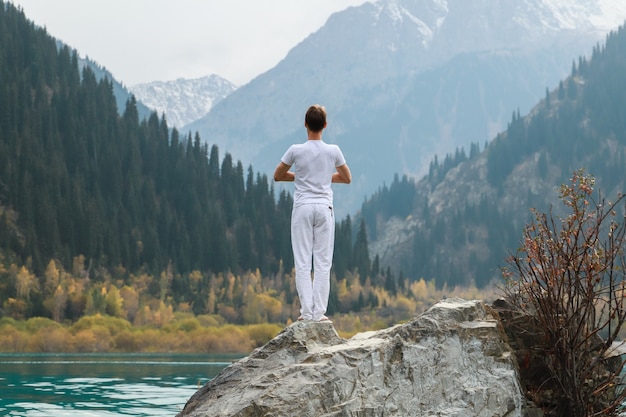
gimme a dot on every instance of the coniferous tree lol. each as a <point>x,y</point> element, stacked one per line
<point>343,253</point>
<point>361,252</point>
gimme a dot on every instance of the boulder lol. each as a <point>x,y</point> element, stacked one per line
<point>452,360</point>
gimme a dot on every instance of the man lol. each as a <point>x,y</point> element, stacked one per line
<point>316,165</point>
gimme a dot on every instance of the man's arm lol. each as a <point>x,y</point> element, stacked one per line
<point>282,173</point>
<point>342,175</point>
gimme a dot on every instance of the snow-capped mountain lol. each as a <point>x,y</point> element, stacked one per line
<point>183,101</point>
<point>404,80</point>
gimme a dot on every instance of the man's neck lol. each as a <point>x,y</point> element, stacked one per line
<point>314,135</point>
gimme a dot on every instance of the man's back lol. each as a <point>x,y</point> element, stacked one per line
<point>314,163</point>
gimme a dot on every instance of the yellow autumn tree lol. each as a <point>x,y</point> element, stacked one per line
<point>114,302</point>
<point>52,276</point>
<point>25,282</point>
<point>130,302</point>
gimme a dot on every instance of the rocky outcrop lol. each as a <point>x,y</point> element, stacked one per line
<point>452,360</point>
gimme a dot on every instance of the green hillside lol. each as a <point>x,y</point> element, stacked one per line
<point>77,179</point>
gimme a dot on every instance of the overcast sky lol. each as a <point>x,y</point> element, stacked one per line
<point>148,40</point>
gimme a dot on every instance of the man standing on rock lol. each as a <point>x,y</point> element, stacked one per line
<point>316,165</point>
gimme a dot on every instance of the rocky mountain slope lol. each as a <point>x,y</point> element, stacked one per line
<point>467,216</point>
<point>404,80</point>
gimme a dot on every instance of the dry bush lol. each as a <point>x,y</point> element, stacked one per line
<point>114,325</point>
<point>126,341</point>
<point>13,340</point>
<point>51,339</point>
<point>568,278</point>
<point>260,334</point>
<point>213,320</point>
<point>86,341</point>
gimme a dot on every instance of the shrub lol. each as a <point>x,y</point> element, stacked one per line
<point>34,324</point>
<point>187,324</point>
<point>211,320</point>
<point>260,334</point>
<point>13,340</point>
<point>568,277</point>
<point>51,339</point>
<point>94,339</point>
<point>125,341</point>
<point>113,324</point>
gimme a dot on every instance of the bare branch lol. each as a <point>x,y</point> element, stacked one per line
<point>568,276</point>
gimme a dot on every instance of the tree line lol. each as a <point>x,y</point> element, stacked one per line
<point>118,311</point>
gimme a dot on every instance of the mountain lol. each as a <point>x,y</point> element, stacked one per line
<point>183,101</point>
<point>404,80</point>
<point>458,223</point>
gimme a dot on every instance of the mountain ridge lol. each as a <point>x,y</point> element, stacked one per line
<point>369,78</point>
<point>467,216</point>
<point>183,100</point>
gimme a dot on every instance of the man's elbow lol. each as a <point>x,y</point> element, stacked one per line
<point>346,174</point>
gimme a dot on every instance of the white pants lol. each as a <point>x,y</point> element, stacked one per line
<point>313,240</point>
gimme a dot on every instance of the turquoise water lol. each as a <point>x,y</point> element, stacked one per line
<point>103,385</point>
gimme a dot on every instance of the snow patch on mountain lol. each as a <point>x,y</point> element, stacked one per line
<point>611,14</point>
<point>183,100</point>
<point>556,15</point>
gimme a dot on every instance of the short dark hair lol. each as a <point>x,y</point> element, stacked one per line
<point>315,118</point>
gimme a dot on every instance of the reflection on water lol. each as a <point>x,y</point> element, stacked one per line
<point>103,385</point>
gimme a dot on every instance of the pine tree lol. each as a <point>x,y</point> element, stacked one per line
<point>361,253</point>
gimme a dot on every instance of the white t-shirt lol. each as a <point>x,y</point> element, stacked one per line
<point>314,163</point>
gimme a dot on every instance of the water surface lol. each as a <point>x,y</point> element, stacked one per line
<point>103,385</point>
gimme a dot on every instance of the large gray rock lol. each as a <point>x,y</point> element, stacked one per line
<point>450,361</point>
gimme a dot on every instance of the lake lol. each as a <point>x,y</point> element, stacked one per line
<point>103,385</point>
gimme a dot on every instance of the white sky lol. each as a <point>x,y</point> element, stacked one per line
<point>148,40</point>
